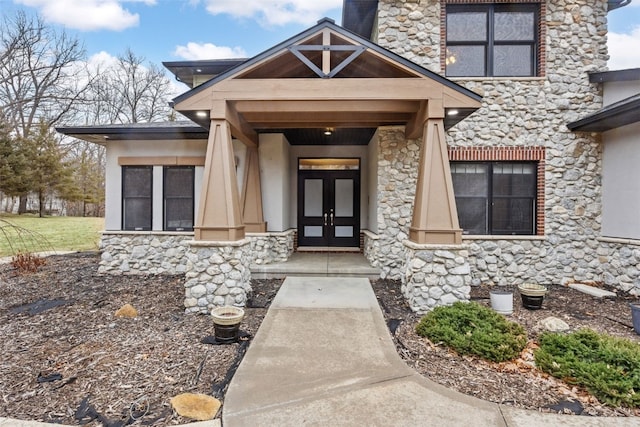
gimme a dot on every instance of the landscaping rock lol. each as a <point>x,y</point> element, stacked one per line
<point>196,406</point>
<point>553,324</point>
<point>127,310</point>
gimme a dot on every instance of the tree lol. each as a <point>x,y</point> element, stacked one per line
<point>129,91</point>
<point>40,79</point>
<point>49,175</point>
<point>86,195</point>
<point>14,164</point>
<point>40,83</point>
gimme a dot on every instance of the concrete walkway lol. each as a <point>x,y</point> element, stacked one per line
<point>323,356</point>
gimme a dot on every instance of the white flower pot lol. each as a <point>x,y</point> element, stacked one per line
<point>501,301</point>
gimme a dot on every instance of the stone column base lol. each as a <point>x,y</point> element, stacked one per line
<point>217,275</point>
<point>435,275</point>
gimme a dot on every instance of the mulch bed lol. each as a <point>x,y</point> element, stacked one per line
<point>67,359</point>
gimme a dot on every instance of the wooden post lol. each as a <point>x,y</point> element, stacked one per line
<point>435,217</point>
<point>219,215</point>
<point>252,195</point>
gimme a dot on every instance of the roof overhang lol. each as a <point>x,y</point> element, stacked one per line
<point>102,134</point>
<point>618,114</point>
<point>616,4</point>
<point>185,71</point>
<point>326,77</point>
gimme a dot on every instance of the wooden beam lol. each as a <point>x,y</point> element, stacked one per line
<point>260,119</point>
<point>326,89</point>
<point>299,106</point>
<point>240,128</point>
<point>326,54</point>
<point>415,126</point>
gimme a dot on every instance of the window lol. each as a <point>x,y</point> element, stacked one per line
<point>178,198</point>
<point>495,197</point>
<point>492,40</point>
<point>136,197</point>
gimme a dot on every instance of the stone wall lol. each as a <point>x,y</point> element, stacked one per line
<point>411,28</point>
<point>371,248</point>
<point>516,112</point>
<point>164,252</point>
<point>144,253</point>
<point>435,275</point>
<point>398,161</point>
<point>620,264</point>
<point>267,248</point>
<point>217,274</point>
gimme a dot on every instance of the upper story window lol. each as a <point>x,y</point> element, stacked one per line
<point>137,189</point>
<point>495,197</point>
<point>498,40</point>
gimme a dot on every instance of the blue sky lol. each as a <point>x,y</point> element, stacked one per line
<point>172,30</point>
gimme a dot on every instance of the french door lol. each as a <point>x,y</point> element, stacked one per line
<point>329,208</point>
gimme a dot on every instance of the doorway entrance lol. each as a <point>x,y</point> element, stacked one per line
<point>329,202</point>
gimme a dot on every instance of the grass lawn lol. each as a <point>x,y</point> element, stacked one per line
<point>58,233</point>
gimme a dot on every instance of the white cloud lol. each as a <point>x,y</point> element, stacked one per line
<point>88,15</point>
<point>194,51</point>
<point>622,51</point>
<point>274,12</point>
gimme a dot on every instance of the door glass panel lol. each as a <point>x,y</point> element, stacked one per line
<point>344,231</point>
<point>312,231</point>
<point>313,197</point>
<point>344,198</point>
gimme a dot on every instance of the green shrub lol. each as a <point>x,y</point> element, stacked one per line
<point>470,328</point>
<point>608,367</point>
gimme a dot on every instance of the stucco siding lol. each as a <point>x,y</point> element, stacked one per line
<point>143,149</point>
<point>621,182</point>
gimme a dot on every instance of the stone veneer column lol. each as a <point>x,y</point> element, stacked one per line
<point>435,275</point>
<point>217,274</point>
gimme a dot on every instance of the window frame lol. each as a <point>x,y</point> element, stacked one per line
<point>490,197</point>
<point>190,197</point>
<point>125,198</point>
<point>489,43</point>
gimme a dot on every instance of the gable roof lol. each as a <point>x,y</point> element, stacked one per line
<point>329,24</point>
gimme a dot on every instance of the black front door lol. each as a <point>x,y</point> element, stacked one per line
<point>329,208</point>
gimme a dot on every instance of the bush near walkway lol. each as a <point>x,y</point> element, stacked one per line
<point>470,328</point>
<point>609,367</point>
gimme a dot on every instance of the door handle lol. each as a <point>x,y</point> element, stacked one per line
<point>331,216</point>
<point>325,219</point>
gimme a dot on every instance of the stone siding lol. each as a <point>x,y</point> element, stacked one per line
<point>217,274</point>
<point>398,161</point>
<point>435,275</point>
<point>144,253</point>
<point>165,253</point>
<point>371,248</point>
<point>620,263</point>
<point>516,112</point>
<point>267,248</point>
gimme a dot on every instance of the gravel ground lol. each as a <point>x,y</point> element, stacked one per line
<point>68,359</point>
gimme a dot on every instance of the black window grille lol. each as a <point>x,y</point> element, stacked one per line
<point>178,198</point>
<point>495,197</point>
<point>498,40</point>
<point>137,188</point>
